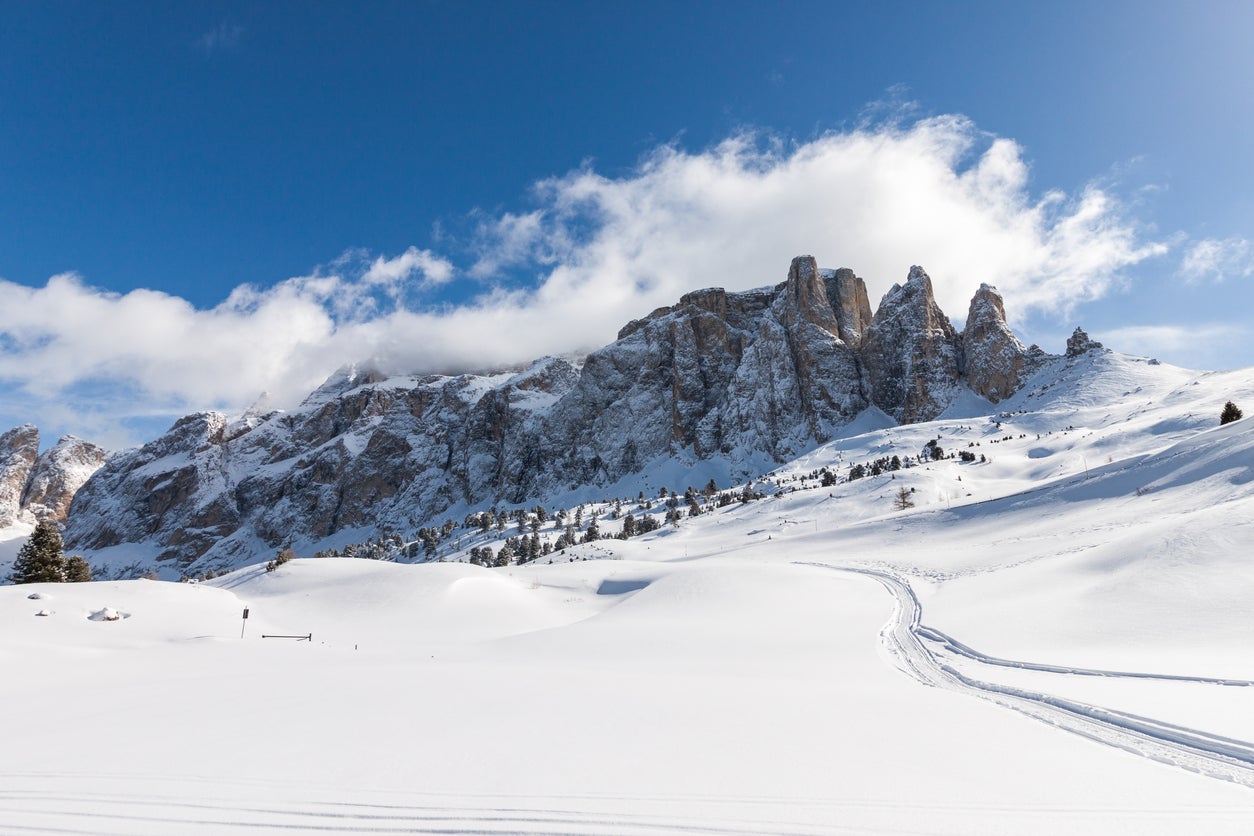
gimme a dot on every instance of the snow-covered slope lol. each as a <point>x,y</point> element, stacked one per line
<point>1077,601</point>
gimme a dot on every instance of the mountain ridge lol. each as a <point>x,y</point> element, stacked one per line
<point>741,380</point>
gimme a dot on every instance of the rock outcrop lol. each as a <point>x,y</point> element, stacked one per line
<point>911,352</point>
<point>19,448</point>
<point>1080,343</point>
<point>748,378</point>
<point>36,487</point>
<point>847,294</point>
<point>994,361</point>
<point>57,476</point>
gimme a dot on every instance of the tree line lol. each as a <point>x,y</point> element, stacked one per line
<point>41,559</point>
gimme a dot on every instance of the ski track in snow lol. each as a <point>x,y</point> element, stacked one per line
<point>54,795</point>
<point>949,644</point>
<point>905,641</point>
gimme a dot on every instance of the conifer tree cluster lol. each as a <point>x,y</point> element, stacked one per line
<point>283,556</point>
<point>1231,413</point>
<point>41,559</point>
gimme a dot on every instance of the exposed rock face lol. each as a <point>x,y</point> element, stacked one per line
<point>36,487</point>
<point>19,448</point>
<point>911,352</point>
<point>362,451</point>
<point>847,294</point>
<point>799,380</point>
<point>756,372</point>
<point>748,378</point>
<point>1079,343</point>
<point>57,476</point>
<point>993,359</point>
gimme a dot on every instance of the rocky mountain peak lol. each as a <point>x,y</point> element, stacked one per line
<point>807,295</point>
<point>346,377</point>
<point>34,486</point>
<point>918,274</point>
<point>993,358</point>
<point>848,297</point>
<point>987,307</point>
<point>911,352</point>
<point>58,474</point>
<point>1079,343</point>
<point>549,375</point>
<point>199,430</point>
<point>19,448</point>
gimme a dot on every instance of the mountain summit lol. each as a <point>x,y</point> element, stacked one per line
<point>744,379</point>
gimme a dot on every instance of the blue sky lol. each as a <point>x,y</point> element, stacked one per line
<point>198,204</point>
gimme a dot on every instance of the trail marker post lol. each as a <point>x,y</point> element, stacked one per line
<point>243,623</point>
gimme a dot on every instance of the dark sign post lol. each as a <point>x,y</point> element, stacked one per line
<point>244,623</point>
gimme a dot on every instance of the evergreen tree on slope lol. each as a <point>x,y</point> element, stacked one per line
<point>77,569</point>
<point>1231,413</point>
<point>40,559</point>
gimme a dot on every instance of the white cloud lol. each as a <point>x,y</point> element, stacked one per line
<point>1218,259</point>
<point>876,200</point>
<point>395,272</point>
<point>599,251</point>
<point>512,239</point>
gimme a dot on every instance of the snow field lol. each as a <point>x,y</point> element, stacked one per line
<point>721,696</point>
<point>703,679</point>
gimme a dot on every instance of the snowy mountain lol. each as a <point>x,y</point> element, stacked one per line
<point>728,384</point>
<point>35,486</point>
<point>1053,637</point>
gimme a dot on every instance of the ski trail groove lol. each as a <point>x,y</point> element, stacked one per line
<point>903,640</point>
<point>956,647</point>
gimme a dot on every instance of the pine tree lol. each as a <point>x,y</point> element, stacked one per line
<point>77,570</point>
<point>902,501</point>
<point>375,552</point>
<point>1231,413</point>
<point>40,559</point>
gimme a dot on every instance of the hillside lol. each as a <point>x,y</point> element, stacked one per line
<point>1089,576</point>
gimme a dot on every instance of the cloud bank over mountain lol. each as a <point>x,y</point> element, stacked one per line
<point>591,251</point>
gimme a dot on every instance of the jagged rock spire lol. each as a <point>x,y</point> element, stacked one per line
<point>993,358</point>
<point>911,352</point>
<point>1079,343</point>
<point>19,447</point>
<point>848,297</point>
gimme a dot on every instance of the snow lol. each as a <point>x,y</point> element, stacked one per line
<point>12,538</point>
<point>733,695</point>
<point>1054,640</point>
